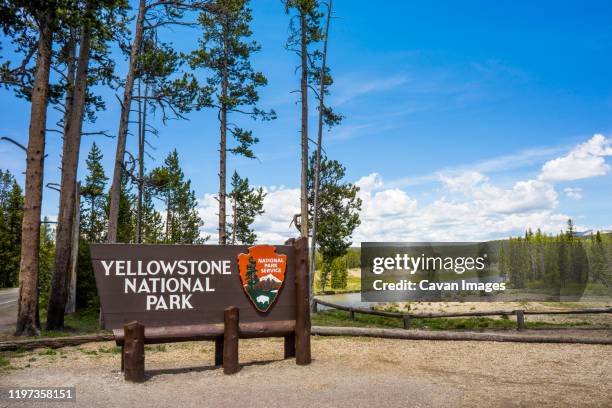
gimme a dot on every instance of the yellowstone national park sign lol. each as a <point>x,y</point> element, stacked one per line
<point>168,285</point>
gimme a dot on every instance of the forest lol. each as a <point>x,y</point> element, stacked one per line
<point>563,261</point>
<point>63,57</point>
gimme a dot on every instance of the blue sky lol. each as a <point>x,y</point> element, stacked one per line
<point>453,110</point>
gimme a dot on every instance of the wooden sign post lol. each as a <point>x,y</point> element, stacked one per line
<point>222,293</point>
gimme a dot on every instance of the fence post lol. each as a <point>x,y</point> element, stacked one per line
<point>351,314</point>
<point>133,352</point>
<point>302,289</point>
<point>520,320</point>
<point>407,321</point>
<point>219,351</point>
<point>230,340</point>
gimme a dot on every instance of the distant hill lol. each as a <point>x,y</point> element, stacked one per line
<point>590,232</point>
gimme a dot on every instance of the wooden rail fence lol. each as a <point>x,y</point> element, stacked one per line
<point>407,317</point>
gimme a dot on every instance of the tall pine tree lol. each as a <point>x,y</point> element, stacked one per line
<point>338,208</point>
<point>225,50</point>
<point>93,215</point>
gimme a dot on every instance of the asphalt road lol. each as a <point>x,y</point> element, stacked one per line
<point>8,308</point>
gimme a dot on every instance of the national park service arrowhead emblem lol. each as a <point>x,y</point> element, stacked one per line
<point>262,273</point>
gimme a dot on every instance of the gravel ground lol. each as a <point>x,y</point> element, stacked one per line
<point>346,372</point>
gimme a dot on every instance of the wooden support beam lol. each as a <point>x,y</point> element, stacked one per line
<point>351,314</point>
<point>133,352</point>
<point>520,320</point>
<point>290,345</point>
<point>407,321</point>
<point>230,340</point>
<point>219,351</point>
<point>302,319</point>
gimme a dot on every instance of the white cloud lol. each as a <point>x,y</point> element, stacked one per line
<point>465,181</point>
<point>584,161</point>
<point>469,205</point>
<point>280,205</point>
<point>575,193</point>
<point>370,182</point>
<point>208,208</point>
<point>478,210</point>
<point>348,88</point>
<point>524,196</point>
<point>504,163</point>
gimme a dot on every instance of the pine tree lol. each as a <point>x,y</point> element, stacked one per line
<point>187,222</point>
<point>152,222</point>
<point>598,260</point>
<point>149,17</point>
<point>570,231</point>
<point>160,88</point>
<point>182,219</point>
<point>43,17</point>
<point>338,210</point>
<point>225,50</point>
<point>93,215</point>
<point>304,30</point>
<point>247,203</point>
<point>126,227</point>
<point>45,261</point>
<point>92,25</point>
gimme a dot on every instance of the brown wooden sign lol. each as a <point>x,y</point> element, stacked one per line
<point>167,285</point>
<point>222,293</point>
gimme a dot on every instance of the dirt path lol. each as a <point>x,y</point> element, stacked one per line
<point>346,372</point>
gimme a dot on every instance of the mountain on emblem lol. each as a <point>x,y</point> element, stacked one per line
<point>262,273</point>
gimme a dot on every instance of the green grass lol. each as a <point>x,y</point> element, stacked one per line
<point>81,322</point>
<point>110,350</point>
<point>4,363</point>
<point>341,318</point>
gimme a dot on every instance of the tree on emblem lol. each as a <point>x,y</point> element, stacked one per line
<point>251,273</point>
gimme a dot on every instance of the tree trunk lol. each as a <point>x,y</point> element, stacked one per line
<point>115,190</point>
<point>30,228</point>
<point>142,123</point>
<point>70,161</point>
<point>74,253</point>
<point>317,172</point>
<point>304,129</point>
<point>222,177</point>
<point>234,218</point>
<point>223,151</point>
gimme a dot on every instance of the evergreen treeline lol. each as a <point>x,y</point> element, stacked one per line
<point>11,214</point>
<point>562,261</point>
